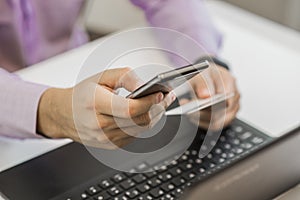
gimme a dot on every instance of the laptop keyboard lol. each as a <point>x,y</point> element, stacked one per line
<point>169,182</point>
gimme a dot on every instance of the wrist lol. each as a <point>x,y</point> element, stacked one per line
<point>54,106</point>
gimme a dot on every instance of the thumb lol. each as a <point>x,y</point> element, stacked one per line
<point>120,78</point>
<point>204,87</point>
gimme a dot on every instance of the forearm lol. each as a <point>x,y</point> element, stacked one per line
<point>18,106</point>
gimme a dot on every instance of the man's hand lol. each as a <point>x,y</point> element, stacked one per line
<point>216,81</point>
<point>94,114</point>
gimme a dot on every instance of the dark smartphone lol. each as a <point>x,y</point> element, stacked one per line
<point>167,81</point>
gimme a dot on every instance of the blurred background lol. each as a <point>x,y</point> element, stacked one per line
<point>286,12</point>
<point>102,16</point>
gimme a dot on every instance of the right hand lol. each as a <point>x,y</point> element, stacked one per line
<point>99,117</point>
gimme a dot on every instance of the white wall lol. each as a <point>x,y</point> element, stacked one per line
<point>283,11</point>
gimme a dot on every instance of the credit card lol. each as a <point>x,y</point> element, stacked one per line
<point>199,104</point>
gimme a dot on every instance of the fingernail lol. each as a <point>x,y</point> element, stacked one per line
<point>159,98</point>
<point>204,93</point>
<point>173,96</point>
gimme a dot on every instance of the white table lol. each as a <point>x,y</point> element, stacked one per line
<point>265,57</point>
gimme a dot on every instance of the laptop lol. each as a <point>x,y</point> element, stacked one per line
<point>244,163</point>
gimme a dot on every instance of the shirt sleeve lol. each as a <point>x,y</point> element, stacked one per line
<point>189,17</point>
<point>18,106</point>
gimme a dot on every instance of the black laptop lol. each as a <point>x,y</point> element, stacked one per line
<point>244,164</point>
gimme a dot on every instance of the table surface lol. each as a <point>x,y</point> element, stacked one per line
<point>265,58</point>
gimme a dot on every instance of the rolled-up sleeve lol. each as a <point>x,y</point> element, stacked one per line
<point>189,17</point>
<point>18,106</point>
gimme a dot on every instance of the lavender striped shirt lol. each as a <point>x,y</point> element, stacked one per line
<point>33,30</point>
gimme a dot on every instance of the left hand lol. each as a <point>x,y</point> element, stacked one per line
<point>217,80</point>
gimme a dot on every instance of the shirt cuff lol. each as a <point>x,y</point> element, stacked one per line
<point>19,102</point>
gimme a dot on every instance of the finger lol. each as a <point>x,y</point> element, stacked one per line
<point>203,86</point>
<point>143,105</point>
<point>168,100</point>
<point>119,78</point>
<point>107,122</point>
<point>183,101</point>
<point>219,123</point>
<point>110,104</point>
<point>130,81</point>
<point>123,142</point>
<point>231,102</point>
<point>222,80</point>
<point>231,115</point>
<point>207,117</point>
<point>206,114</point>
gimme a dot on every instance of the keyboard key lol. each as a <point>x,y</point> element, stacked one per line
<point>93,190</point>
<point>183,158</point>
<point>209,156</point>
<point>237,150</point>
<point>194,152</point>
<point>202,170</point>
<point>161,168</point>
<point>230,133</point>
<point>257,140</point>
<point>150,174</point>
<point>115,190</point>
<point>186,166</point>
<point>132,193</point>
<point>118,178</point>
<point>221,160</point>
<point>189,176</point>
<point>84,196</point>
<point>175,171</point>
<point>224,155</point>
<point>105,184</point>
<point>212,165</point>
<point>139,178</point>
<point>174,163</point>
<point>127,184</point>
<point>156,193</point>
<point>121,197</point>
<point>178,181</point>
<point>231,155</point>
<point>223,139</point>
<point>129,174</point>
<point>177,193</point>
<point>167,197</point>
<point>167,187</point>
<point>165,176</point>
<point>197,161</point>
<point>143,188</point>
<point>145,197</point>
<point>154,182</point>
<point>246,145</point>
<point>218,151</point>
<point>238,129</point>
<point>245,135</point>
<point>102,196</point>
<point>227,146</point>
<point>142,167</point>
<point>236,141</point>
